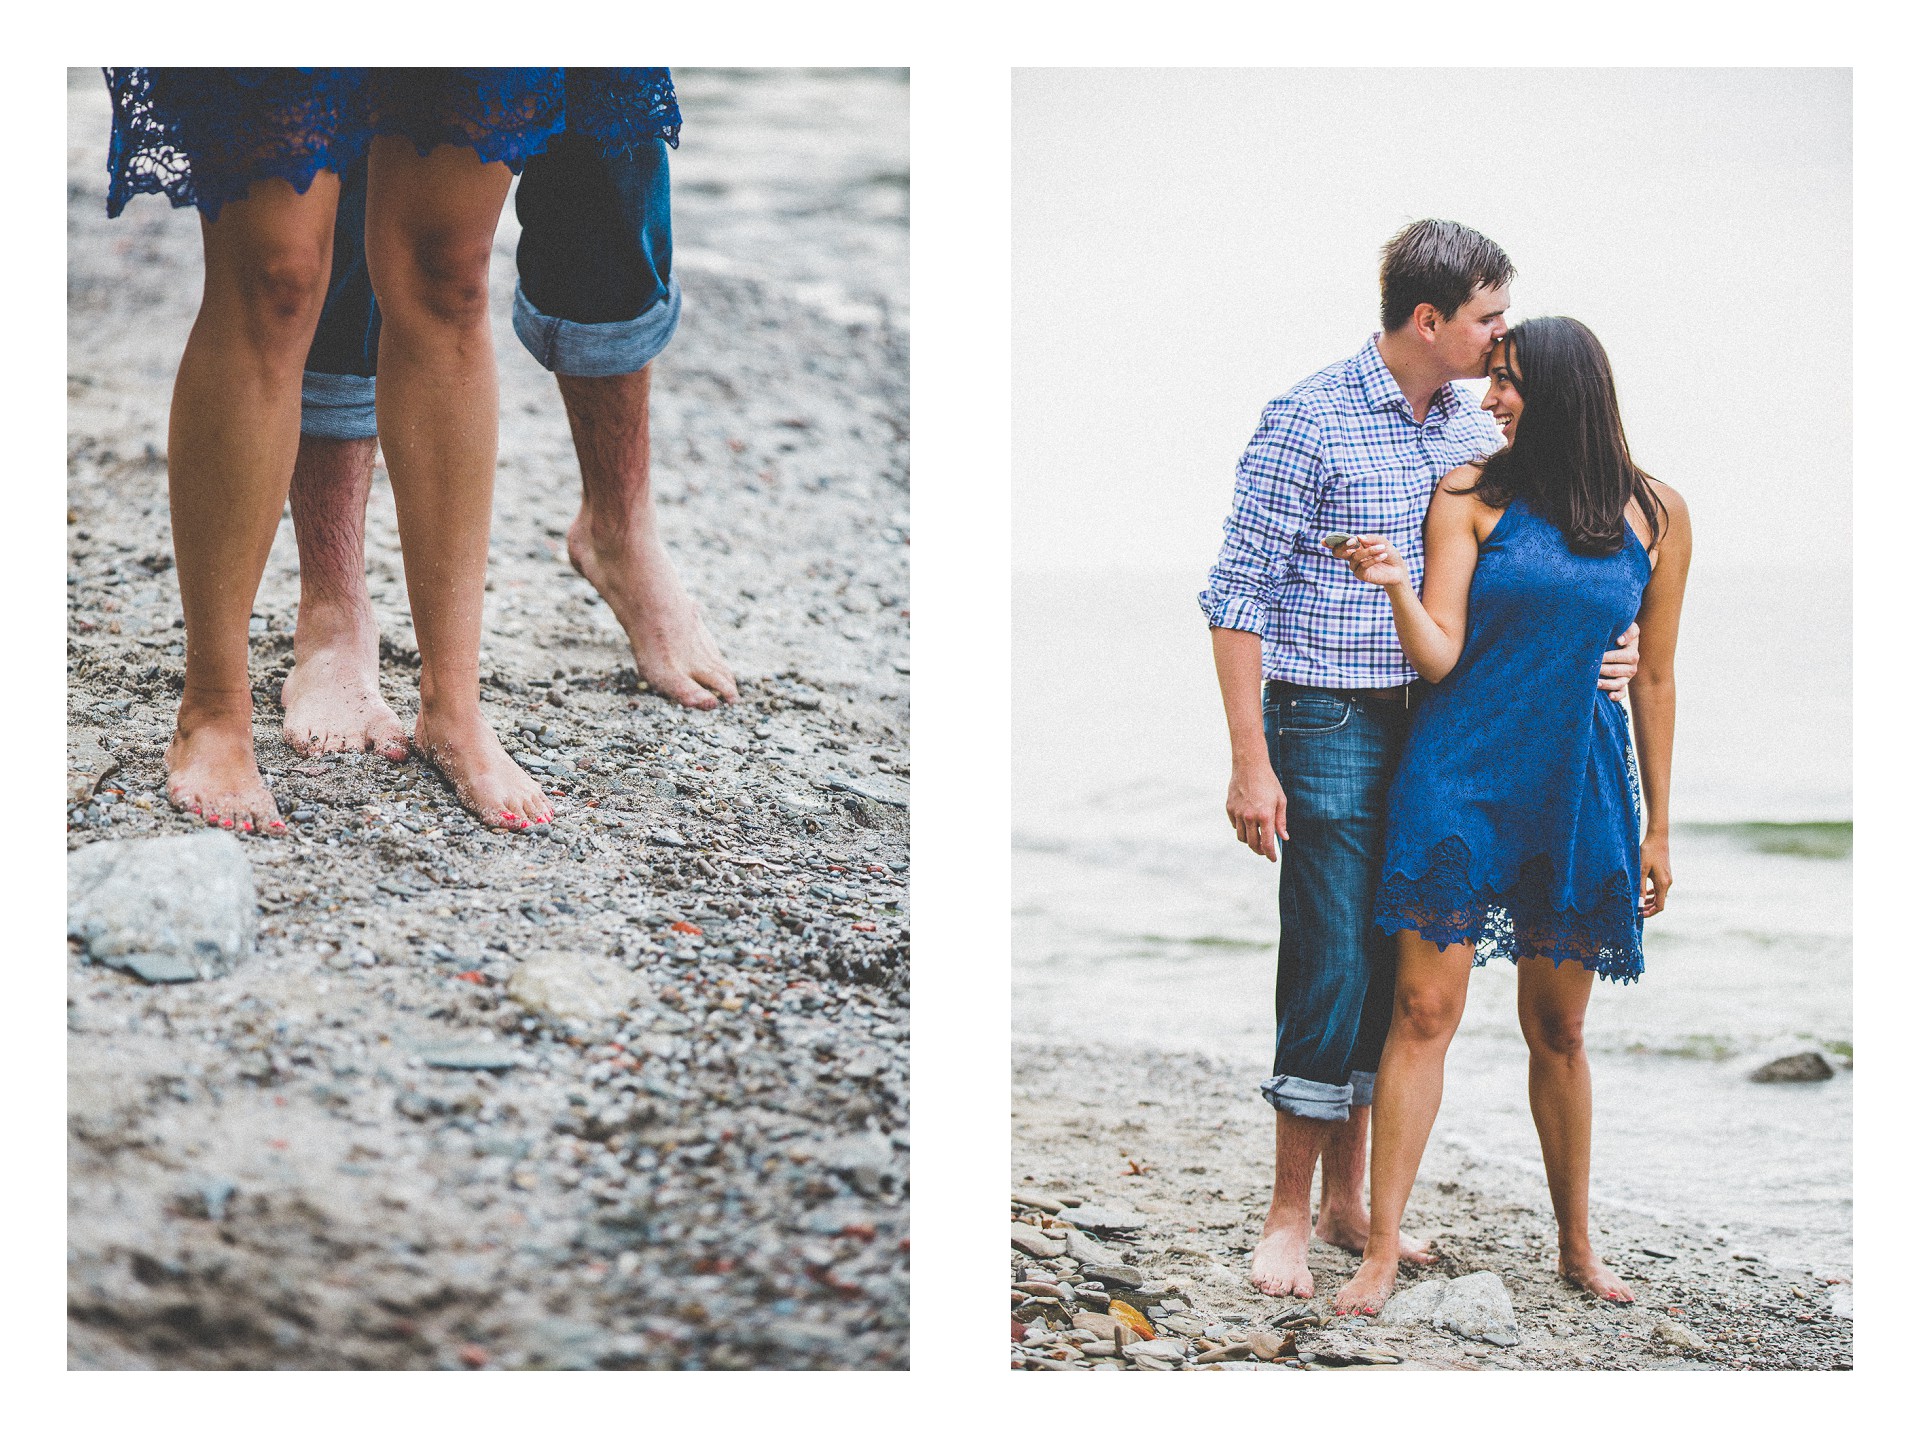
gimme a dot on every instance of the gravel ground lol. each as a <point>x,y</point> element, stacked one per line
<point>1181,1146</point>
<point>268,1170</point>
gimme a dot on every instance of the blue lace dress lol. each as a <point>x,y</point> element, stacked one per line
<point>202,136</point>
<point>1513,822</point>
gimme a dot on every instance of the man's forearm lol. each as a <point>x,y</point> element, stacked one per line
<point>1236,660</point>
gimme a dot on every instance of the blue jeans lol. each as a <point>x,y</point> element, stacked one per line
<point>1333,989</point>
<point>596,295</point>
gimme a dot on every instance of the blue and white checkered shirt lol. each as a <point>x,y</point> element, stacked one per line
<point>1339,452</point>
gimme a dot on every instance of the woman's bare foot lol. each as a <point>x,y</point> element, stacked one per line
<point>1280,1263</point>
<point>1589,1273</point>
<point>332,697</point>
<point>211,771</point>
<point>1349,1231</point>
<point>1369,1289</point>
<point>458,742</point>
<point>671,646</point>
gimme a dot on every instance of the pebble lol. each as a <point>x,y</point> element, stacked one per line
<point>171,909</point>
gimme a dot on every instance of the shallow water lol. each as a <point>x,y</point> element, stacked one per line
<point>1138,923</point>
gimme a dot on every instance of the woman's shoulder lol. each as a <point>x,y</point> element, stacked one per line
<point>1673,522</point>
<point>1455,500</point>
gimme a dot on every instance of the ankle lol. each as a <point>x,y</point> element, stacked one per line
<point>202,707</point>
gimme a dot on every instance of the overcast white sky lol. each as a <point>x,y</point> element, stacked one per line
<point>1189,243</point>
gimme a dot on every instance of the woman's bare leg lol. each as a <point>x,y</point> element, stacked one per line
<point>1553,1013</point>
<point>230,444</point>
<point>1428,999</point>
<point>430,223</point>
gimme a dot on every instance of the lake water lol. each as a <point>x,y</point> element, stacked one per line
<point>1139,923</point>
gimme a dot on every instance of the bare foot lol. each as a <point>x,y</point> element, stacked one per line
<point>1280,1264</point>
<point>489,785</point>
<point>1595,1277</point>
<point>671,646</point>
<point>332,698</point>
<point>211,772</point>
<point>1349,1231</point>
<point>1369,1289</point>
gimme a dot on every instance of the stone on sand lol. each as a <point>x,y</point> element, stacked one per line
<point>1477,1308</point>
<point>1414,1305</point>
<point>579,990</point>
<point>170,910</point>
<point>1795,1068</point>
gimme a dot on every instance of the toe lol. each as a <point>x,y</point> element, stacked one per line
<point>682,690</point>
<point>718,679</point>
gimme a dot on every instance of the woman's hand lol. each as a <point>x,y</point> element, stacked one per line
<point>1375,561</point>
<point>1656,875</point>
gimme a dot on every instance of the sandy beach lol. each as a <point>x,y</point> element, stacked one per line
<point>381,1143</point>
<point>1170,1158</point>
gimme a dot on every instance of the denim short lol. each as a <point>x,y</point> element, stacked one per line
<point>596,295</point>
<point>1333,988</point>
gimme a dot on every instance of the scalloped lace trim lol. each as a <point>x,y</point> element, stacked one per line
<point>1518,920</point>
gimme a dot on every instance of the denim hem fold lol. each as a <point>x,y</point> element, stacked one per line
<point>1362,1088</point>
<point>594,351</point>
<point>1303,1098</point>
<point>337,406</point>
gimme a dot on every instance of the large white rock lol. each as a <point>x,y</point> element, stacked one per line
<point>1477,1307</point>
<point>170,910</point>
<point>583,991</point>
<point>1414,1305</point>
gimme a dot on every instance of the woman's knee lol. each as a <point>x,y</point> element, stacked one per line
<point>277,289</point>
<point>435,277</point>
<point>1555,1033</point>
<point>1428,1012</point>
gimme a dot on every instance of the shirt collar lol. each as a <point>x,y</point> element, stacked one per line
<point>1382,391</point>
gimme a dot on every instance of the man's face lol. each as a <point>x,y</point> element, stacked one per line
<point>1465,342</point>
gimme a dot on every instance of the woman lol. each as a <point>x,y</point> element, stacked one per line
<point>1513,824</point>
<point>260,152</point>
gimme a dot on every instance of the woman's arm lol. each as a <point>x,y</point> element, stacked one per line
<point>1652,695</point>
<point>1433,623</point>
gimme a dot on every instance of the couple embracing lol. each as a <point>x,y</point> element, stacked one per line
<point>1425,616</point>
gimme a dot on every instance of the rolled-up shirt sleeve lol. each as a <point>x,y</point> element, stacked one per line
<point>1276,489</point>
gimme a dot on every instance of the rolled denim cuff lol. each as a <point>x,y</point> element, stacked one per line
<point>593,351</point>
<point>1362,1088</point>
<point>1303,1098</point>
<point>337,406</point>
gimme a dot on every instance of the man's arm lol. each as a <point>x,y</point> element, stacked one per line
<point>1256,804</point>
<point>1276,488</point>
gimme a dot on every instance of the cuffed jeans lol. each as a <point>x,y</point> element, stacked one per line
<point>596,295</point>
<point>1333,988</point>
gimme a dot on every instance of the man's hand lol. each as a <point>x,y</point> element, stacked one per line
<point>1617,666</point>
<point>1257,808</point>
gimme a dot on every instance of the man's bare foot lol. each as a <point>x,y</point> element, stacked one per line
<point>1349,1231</point>
<point>332,698</point>
<point>211,772</point>
<point>672,649</point>
<point>1280,1263</point>
<point>1369,1289</point>
<point>1590,1274</point>
<point>458,742</point>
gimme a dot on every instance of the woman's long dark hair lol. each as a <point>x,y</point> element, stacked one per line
<point>1569,457</point>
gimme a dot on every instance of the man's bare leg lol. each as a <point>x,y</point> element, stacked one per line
<point>615,542</point>
<point>1343,1205</point>
<point>1280,1257</point>
<point>332,697</point>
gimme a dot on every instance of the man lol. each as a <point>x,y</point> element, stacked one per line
<point>1355,449</point>
<point>597,301</point>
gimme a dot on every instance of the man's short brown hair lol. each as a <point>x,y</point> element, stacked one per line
<point>1438,263</point>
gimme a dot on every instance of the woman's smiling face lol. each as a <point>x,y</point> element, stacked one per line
<point>1503,399</point>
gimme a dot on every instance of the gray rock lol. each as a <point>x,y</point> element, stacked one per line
<point>170,910</point>
<point>1035,1244</point>
<point>1118,1275</point>
<point>1169,1349</point>
<point>1795,1068</point>
<point>1104,1220</point>
<point>1477,1308</point>
<point>1086,1251</point>
<point>493,1058</point>
<point>1414,1305</point>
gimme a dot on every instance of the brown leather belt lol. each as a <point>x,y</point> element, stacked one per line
<point>1401,695</point>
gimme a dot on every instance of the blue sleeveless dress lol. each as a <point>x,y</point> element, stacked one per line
<point>1513,822</point>
<point>202,136</point>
